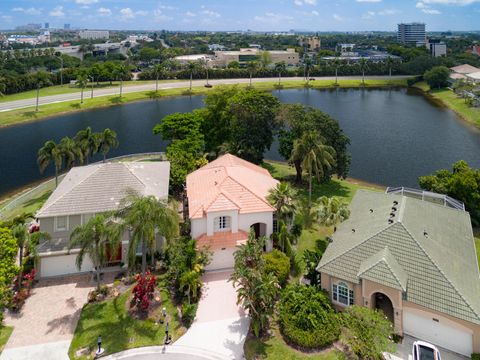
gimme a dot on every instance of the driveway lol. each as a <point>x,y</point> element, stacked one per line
<point>221,326</point>
<point>44,328</point>
<point>404,351</point>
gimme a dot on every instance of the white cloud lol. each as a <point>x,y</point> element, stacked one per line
<point>141,13</point>
<point>426,8</point>
<point>369,1</point>
<point>126,14</point>
<point>6,17</point>
<point>315,12</point>
<point>387,12</point>
<point>431,11</point>
<point>159,16</point>
<point>190,14</point>
<point>57,12</point>
<point>368,15</point>
<point>86,2</point>
<point>212,14</point>
<point>420,5</point>
<point>338,17</point>
<point>451,2</point>
<point>306,2</point>
<point>104,11</point>
<point>272,18</point>
<point>28,11</point>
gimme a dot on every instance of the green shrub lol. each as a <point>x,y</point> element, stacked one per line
<point>188,314</point>
<point>307,318</point>
<point>278,264</point>
<point>475,356</point>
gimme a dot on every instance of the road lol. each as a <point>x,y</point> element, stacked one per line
<point>25,103</point>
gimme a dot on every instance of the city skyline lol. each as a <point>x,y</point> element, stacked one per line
<point>229,15</point>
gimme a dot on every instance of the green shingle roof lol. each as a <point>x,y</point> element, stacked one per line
<point>425,248</point>
<point>382,268</point>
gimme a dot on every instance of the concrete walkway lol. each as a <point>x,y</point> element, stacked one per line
<point>221,325</point>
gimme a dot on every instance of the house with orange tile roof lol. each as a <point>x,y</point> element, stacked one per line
<point>226,199</point>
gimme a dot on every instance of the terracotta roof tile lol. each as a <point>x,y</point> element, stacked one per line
<point>221,240</point>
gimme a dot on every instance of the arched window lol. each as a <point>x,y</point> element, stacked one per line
<point>223,223</point>
<point>341,294</point>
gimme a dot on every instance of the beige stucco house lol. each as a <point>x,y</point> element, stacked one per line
<point>415,260</point>
<point>227,198</point>
<point>84,192</point>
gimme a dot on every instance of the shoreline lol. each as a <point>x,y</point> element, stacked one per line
<point>48,111</point>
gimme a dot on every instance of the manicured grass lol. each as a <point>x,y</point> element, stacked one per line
<point>118,329</point>
<point>30,205</point>
<point>5,332</point>
<point>274,348</point>
<point>448,98</point>
<point>29,114</point>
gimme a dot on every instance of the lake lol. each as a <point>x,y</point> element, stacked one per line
<point>396,135</point>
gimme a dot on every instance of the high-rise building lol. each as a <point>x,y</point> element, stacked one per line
<point>46,26</point>
<point>94,34</point>
<point>66,26</point>
<point>436,47</point>
<point>411,33</point>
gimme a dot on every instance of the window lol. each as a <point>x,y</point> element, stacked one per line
<point>275,223</point>
<point>222,223</point>
<point>342,294</point>
<point>61,223</point>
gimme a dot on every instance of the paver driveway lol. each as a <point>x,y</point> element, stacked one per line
<point>221,326</point>
<point>44,328</point>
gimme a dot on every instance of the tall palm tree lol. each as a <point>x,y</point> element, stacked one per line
<point>252,66</point>
<point>159,69</point>
<point>192,67</point>
<point>88,143</point>
<point>42,79</point>
<point>284,239</point>
<point>94,239</point>
<point>389,62</point>
<point>119,73</point>
<point>82,81</point>
<point>307,63</point>
<point>363,66</point>
<point>282,199</point>
<point>70,151</point>
<point>105,141</point>
<point>26,241</point>
<point>336,64</point>
<point>191,281</point>
<point>316,157</point>
<point>332,210</point>
<point>145,217</point>
<point>280,68</point>
<point>50,152</point>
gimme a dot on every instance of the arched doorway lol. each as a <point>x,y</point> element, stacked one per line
<point>260,229</point>
<point>382,302</point>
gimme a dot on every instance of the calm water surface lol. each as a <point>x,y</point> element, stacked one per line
<point>396,135</point>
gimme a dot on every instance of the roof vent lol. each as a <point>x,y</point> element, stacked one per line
<point>371,211</point>
<point>353,230</point>
<point>392,215</point>
<point>390,221</point>
<point>395,202</point>
<point>425,233</point>
<point>394,208</point>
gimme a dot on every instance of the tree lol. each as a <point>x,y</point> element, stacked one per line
<point>159,69</point>
<point>48,153</point>
<point>282,198</point>
<point>42,79</point>
<point>437,77</point>
<point>88,142</point>
<point>179,126</point>
<point>363,67</point>
<point>191,281</point>
<point>3,86</point>
<point>106,140</point>
<point>332,210</point>
<point>70,151</point>
<point>26,241</point>
<point>192,67</point>
<point>316,158</point>
<point>265,59</point>
<point>462,183</point>
<point>233,65</point>
<point>307,64</point>
<point>366,332</point>
<point>119,73</point>
<point>336,63</point>
<point>96,239</point>
<point>82,81</point>
<point>252,66</point>
<point>280,68</point>
<point>146,217</point>
<point>256,288</point>
<point>147,54</point>
<point>8,267</point>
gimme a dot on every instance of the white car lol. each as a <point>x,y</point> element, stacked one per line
<point>425,351</point>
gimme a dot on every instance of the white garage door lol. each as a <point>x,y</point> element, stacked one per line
<point>62,265</point>
<point>440,333</point>
<point>222,259</point>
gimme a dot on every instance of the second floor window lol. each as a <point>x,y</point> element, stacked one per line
<point>222,223</point>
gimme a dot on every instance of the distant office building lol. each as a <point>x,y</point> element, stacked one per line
<point>94,34</point>
<point>223,58</point>
<point>412,33</point>
<point>46,26</point>
<point>216,47</point>
<point>29,27</point>
<point>311,43</point>
<point>436,47</point>
<point>66,26</point>
<point>346,49</point>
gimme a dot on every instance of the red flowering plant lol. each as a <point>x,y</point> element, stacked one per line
<point>143,290</point>
<point>21,294</point>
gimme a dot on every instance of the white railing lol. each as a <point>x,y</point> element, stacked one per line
<point>50,184</point>
<point>445,200</point>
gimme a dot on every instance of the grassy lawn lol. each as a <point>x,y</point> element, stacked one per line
<point>29,114</point>
<point>118,329</point>
<point>5,332</point>
<point>452,101</point>
<point>275,348</point>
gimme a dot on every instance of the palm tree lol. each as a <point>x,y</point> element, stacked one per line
<point>280,68</point>
<point>94,239</point>
<point>363,66</point>
<point>42,79</point>
<point>191,280</point>
<point>88,143</point>
<point>159,69</point>
<point>307,63</point>
<point>192,67</point>
<point>82,81</point>
<point>71,152</point>
<point>282,199</point>
<point>315,157</point>
<point>49,152</point>
<point>252,66</point>
<point>389,62</point>
<point>26,241</point>
<point>145,217</point>
<point>336,64</point>
<point>284,239</point>
<point>332,211</point>
<point>119,73</point>
<point>105,141</point>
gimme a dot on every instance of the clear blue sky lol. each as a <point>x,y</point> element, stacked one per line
<point>321,15</point>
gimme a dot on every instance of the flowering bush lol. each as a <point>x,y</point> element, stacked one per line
<point>22,294</point>
<point>143,290</point>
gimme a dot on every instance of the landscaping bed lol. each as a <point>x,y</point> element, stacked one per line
<point>5,332</point>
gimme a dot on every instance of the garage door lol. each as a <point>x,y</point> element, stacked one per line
<point>62,265</point>
<point>440,333</point>
<point>222,259</point>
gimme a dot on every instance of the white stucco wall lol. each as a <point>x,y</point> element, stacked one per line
<point>247,220</point>
<point>198,227</point>
<point>211,216</point>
